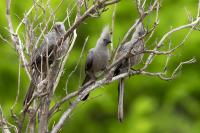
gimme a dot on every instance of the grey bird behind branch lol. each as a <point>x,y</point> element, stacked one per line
<point>97,58</point>
<point>43,57</point>
<point>137,46</point>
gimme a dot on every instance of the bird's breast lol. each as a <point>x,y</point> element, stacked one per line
<point>100,61</point>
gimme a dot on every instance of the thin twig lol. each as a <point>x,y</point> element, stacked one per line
<point>160,43</point>
<point>16,40</point>
<point>193,60</point>
<point>75,68</point>
<point>25,16</point>
<point>91,10</point>
<point>18,86</point>
<point>2,38</point>
<point>113,26</point>
<point>3,123</point>
<point>69,49</point>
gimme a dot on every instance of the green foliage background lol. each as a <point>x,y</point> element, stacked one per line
<point>151,105</point>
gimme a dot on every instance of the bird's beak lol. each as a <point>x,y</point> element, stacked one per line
<point>107,41</point>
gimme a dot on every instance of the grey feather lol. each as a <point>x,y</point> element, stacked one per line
<point>39,57</point>
<point>89,60</point>
<point>137,49</point>
<point>121,100</point>
<point>97,58</point>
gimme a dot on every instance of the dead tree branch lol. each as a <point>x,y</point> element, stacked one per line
<point>15,38</point>
<point>39,104</point>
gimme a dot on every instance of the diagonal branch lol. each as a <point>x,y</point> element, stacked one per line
<point>100,5</point>
<point>16,40</point>
<point>160,43</point>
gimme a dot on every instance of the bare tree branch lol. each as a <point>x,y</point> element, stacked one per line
<point>15,38</point>
<point>4,125</point>
<point>75,68</point>
<point>39,105</point>
<point>160,43</point>
<point>113,26</point>
<point>101,4</point>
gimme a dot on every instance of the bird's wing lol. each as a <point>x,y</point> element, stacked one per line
<point>48,42</point>
<point>89,60</point>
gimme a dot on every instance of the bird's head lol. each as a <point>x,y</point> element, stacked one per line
<point>60,27</point>
<point>140,29</point>
<point>106,36</point>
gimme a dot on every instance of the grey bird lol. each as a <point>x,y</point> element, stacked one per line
<point>97,58</point>
<point>137,46</point>
<point>46,52</point>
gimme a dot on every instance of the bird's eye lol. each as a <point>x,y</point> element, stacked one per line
<point>106,41</point>
<point>141,33</point>
<point>59,26</point>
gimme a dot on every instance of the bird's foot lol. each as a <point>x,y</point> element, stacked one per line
<point>109,76</point>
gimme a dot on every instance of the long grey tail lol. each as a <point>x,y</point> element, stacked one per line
<point>29,93</point>
<point>87,78</point>
<point>121,100</point>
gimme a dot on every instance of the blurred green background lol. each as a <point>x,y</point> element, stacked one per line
<point>151,105</point>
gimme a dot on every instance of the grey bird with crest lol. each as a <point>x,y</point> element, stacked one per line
<point>136,47</point>
<point>43,57</point>
<point>97,58</point>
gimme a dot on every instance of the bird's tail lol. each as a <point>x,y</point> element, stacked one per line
<point>87,78</point>
<point>120,99</point>
<point>29,93</point>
